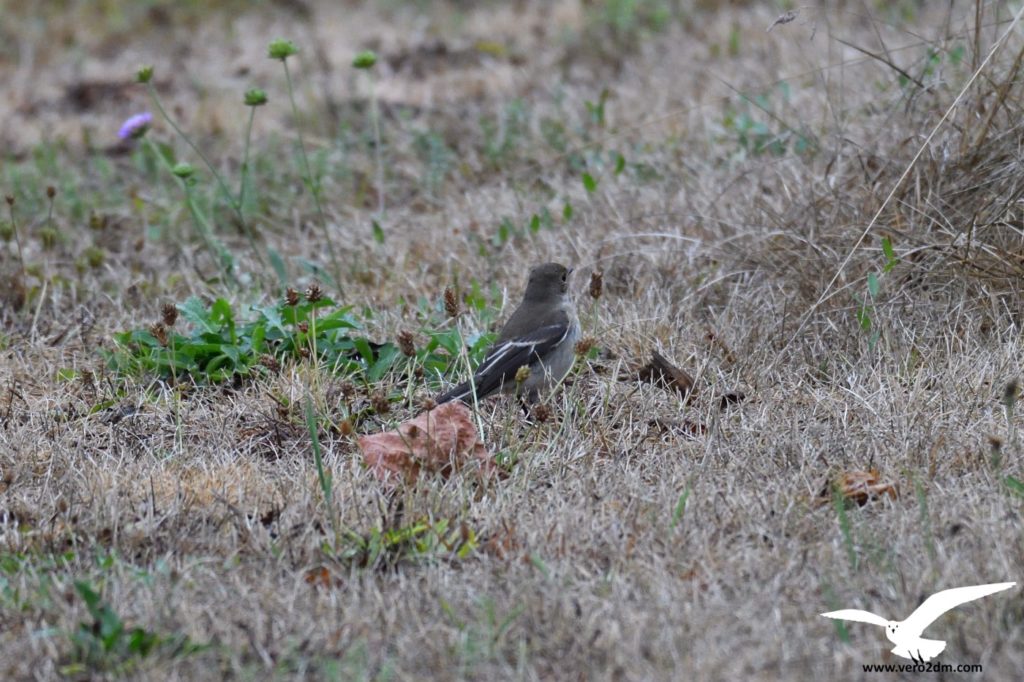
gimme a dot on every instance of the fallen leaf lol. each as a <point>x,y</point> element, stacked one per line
<point>439,441</point>
<point>858,486</point>
<point>320,576</point>
<point>661,372</point>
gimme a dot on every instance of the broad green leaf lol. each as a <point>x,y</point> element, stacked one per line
<point>195,312</point>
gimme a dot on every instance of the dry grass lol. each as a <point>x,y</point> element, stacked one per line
<point>199,512</point>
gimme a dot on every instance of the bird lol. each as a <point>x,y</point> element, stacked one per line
<point>540,335</point>
<point>906,634</point>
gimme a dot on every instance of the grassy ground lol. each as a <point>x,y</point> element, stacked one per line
<point>799,214</point>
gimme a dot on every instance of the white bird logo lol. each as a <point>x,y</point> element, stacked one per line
<point>906,634</point>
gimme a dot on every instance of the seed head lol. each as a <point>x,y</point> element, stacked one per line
<point>584,345</point>
<point>451,302</point>
<point>159,332</point>
<point>541,412</point>
<point>255,97</point>
<point>596,284</point>
<point>405,343</point>
<point>281,49</point>
<point>303,326</point>
<point>314,293</point>
<point>291,297</point>
<point>380,403</point>
<point>270,362</point>
<point>10,199</point>
<point>522,374</point>
<point>365,59</point>
<point>184,170</point>
<point>51,191</point>
<point>144,75</point>
<point>169,314</point>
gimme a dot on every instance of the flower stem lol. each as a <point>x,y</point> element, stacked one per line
<point>375,117</point>
<point>17,239</point>
<point>236,207</point>
<point>245,160</point>
<point>311,182</point>
<point>218,251</point>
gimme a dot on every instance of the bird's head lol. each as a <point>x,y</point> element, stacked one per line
<point>892,627</point>
<point>547,281</point>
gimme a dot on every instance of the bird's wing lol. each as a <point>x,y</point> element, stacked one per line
<point>857,615</point>
<point>506,357</point>
<point>940,602</point>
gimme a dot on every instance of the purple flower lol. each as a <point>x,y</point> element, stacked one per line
<point>135,126</point>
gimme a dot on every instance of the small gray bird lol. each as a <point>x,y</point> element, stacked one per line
<point>541,335</point>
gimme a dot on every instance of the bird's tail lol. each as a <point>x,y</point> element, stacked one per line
<point>461,392</point>
<point>920,649</point>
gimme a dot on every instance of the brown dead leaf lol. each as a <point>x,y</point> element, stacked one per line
<point>859,487</point>
<point>660,372</point>
<point>320,576</point>
<point>440,441</point>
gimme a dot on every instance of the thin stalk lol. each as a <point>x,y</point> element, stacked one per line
<point>217,176</point>
<point>217,250</point>
<point>245,160</point>
<point>314,185</point>
<point>202,225</point>
<point>17,238</point>
<point>375,117</point>
<point>322,475</point>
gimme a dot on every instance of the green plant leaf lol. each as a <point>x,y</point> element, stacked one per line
<point>1014,485</point>
<point>890,255</point>
<point>589,183</point>
<point>873,285</point>
<point>386,357</point>
<point>195,312</point>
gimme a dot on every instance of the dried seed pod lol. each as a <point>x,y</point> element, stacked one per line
<point>314,293</point>
<point>169,314</point>
<point>596,284</point>
<point>405,343</point>
<point>451,302</point>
